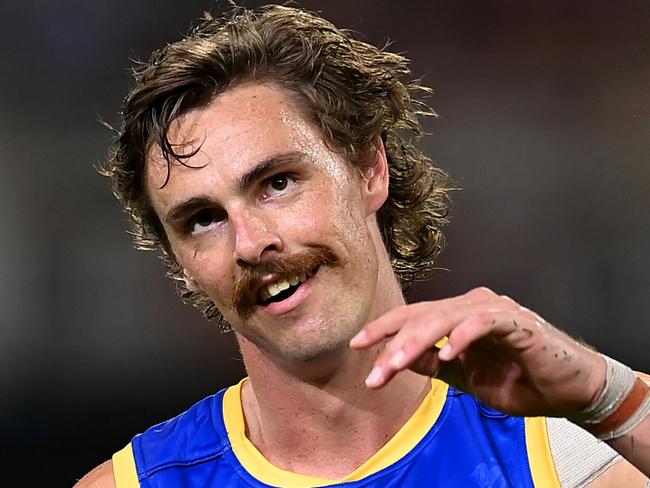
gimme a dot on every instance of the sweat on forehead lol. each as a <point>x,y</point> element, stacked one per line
<point>240,137</point>
<point>233,120</point>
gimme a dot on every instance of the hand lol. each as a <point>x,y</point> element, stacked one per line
<point>502,353</point>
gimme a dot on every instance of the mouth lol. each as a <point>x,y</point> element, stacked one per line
<point>285,293</point>
<point>282,288</point>
<point>279,285</point>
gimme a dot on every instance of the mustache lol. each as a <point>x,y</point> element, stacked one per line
<point>245,296</point>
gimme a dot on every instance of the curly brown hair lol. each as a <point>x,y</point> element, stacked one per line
<point>354,91</point>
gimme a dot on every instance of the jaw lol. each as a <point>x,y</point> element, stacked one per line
<point>300,336</point>
<point>314,365</point>
<point>316,323</point>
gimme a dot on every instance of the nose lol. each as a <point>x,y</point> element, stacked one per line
<point>255,237</point>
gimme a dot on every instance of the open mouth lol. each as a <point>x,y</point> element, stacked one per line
<point>283,288</point>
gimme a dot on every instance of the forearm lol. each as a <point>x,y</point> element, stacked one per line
<point>635,446</point>
<point>620,415</point>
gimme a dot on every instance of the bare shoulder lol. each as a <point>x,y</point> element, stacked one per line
<point>620,474</point>
<point>100,477</point>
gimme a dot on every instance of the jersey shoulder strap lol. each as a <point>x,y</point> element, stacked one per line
<point>196,436</point>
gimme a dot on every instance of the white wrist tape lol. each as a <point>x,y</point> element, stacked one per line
<point>622,405</point>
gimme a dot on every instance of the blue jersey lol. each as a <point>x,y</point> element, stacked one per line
<point>451,440</point>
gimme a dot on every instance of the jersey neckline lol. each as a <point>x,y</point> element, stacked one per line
<point>403,442</point>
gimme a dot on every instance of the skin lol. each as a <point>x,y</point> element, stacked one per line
<point>323,204</point>
<point>350,356</point>
<point>100,477</point>
<point>299,363</point>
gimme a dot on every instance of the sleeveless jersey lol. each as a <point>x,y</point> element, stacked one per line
<point>451,440</point>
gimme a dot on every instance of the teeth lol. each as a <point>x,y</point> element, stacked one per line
<point>264,294</point>
<point>272,289</point>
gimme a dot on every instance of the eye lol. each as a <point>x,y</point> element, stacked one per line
<point>278,184</point>
<point>204,220</point>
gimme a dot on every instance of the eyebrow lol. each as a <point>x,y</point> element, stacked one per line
<point>242,185</point>
<point>186,207</point>
<point>267,166</point>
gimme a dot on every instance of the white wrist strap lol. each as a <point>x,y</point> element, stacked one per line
<point>622,405</point>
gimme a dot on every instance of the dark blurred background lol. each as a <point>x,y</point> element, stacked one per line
<point>545,122</point>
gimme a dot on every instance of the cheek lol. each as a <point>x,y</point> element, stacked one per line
<point>348,219</point>
<point>210,271</point>
<point>308,219</point>
<point>340,202</point>
<point>348,232</point>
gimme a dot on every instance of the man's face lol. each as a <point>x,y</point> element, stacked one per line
<point>265,205</point>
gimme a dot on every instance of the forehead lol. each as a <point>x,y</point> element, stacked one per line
<point>237,130</point>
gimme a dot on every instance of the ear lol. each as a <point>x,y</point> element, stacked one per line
<point>374,189</point>
<point>190,282</point>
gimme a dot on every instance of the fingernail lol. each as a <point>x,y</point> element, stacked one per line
<point>445,352</point>
<point>359,338</point>
<point>375,377</point>
<point>397,361</point>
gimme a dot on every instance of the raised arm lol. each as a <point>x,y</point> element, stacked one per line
<point>512,360</point>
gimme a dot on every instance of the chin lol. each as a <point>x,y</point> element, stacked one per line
<point>308,353</point>
<point>310,336</point>
<point>312,342</point>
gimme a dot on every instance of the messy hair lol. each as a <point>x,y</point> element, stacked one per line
<point>353,91</point>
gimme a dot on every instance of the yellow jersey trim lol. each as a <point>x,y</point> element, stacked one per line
<point>411,433</point>
<point>126,475</point>
<point>542,466</point>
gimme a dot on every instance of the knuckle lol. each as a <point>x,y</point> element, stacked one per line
<point>481,292</point>
<point>438,317</point>
<point>412,344</point>
<point>383,361</point>
<point>397,342</point>
<point>509,302</point>
<point>481,319</point>
<point>393,346</point>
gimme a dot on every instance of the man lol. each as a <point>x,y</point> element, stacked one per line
<point>267,156</point>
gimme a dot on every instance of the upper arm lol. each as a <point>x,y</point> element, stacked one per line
<point>620,474</point>
<point>100,477</point>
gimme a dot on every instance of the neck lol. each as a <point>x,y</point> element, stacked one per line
<point>296,415</point>
<point>298,425</point>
